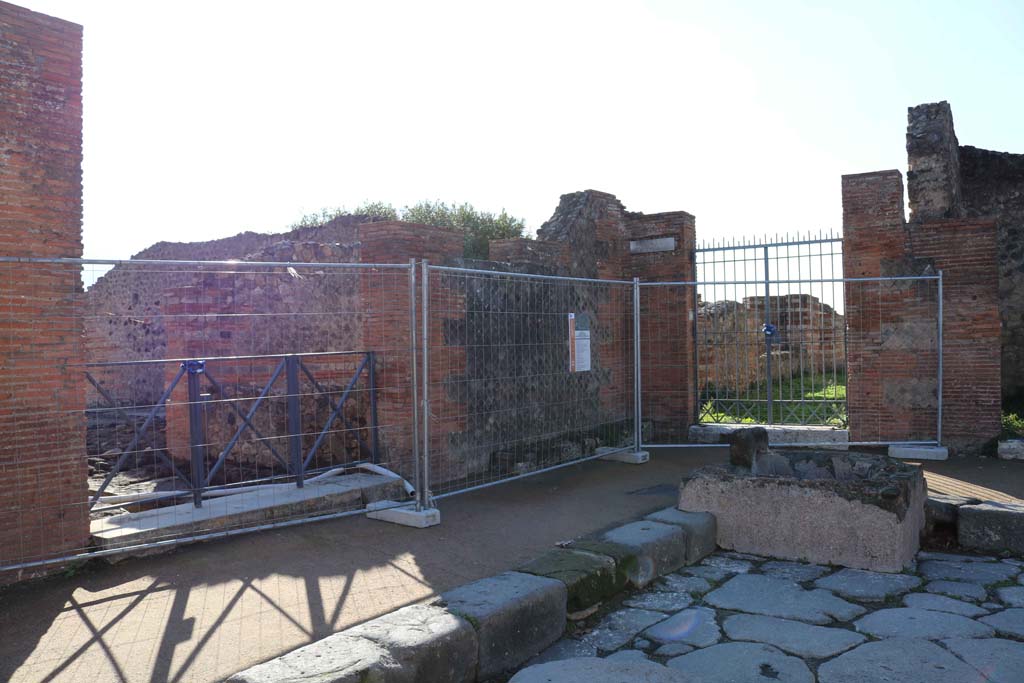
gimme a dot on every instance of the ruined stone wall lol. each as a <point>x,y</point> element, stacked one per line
<point>949,180</point>
<point>892,336</point>
<point>42,452</point>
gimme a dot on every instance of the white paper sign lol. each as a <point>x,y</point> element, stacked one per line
<point>579,343</point>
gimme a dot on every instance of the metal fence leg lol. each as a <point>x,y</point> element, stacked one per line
<point>638,456</point>
<point>372,377</point>
<point>197,430</point>
<point>294,419</point>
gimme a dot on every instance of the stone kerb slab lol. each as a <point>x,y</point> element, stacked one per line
<point>992,526</point>
<point>700,527</point>
<point>515,616</point>
<point>660,548</point>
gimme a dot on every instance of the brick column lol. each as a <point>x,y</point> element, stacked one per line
<point>43,510</point>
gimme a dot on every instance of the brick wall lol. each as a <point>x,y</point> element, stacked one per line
<point>42,458</point>
<point>891,326</point>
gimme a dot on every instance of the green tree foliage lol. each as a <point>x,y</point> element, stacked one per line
<point>479,227</point>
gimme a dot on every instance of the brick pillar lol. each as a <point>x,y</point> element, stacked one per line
<point>43,511</point>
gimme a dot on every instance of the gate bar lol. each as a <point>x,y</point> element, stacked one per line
<point>637,407</point>
<point>425,494</point>
<point>938,436</point>
<point>414,382</point>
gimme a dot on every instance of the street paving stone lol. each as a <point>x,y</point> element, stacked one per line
<point>897,660</point>
<point>794,571</point>
<point>713,574</point>
<point>953,557</point>
<point>1013,596</point>
<point>858,584</point>
<point>746,662</point>
<point>1001,661</point>
<point>983,573</point>
<point>593,670</point>
<point>910,622</point>
<point>759,594</point>
<point>661,602</point>
<point>1009,622</point>
<point>957,589</point>
<point>673,650</point>
<point>566,648</point>
<point>676,583</point>
<point>795,637</point>
<point>695,626</point>
<point>941,603</point>
<point>728,564</point>
<point>618,628</point>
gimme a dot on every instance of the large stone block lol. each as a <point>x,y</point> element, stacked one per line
<point>515,616</point>
<point>870,520</point>
<point>589,577</point>
<point>992,526</point>
<point>660,548</point>
<point>700,529</point>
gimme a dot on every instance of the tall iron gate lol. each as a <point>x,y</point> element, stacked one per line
<point>771,332</point>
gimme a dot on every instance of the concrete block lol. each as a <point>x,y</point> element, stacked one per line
<point>660,548</point>
<point>701,530</point>
<point>1011,450</point>
<point>589,578</point>
<point>628,457</point>
<point>919,452</point>
<point>515,615</point>
<point>992,526</point>
<point>406,515</point>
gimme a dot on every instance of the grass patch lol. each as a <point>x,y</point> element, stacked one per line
<point>817,400</point>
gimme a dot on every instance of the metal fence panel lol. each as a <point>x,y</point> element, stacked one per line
<point>202,399</point>
<point>526,373</point>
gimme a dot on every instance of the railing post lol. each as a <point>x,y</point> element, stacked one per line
<point>938,435</point>
<point>768,336</point>
<point>414,381</point>
<point>425,494</point>
<point>637,406</point>
<point>372,376</point>
<point>197,429</point>
<point>294,418</point>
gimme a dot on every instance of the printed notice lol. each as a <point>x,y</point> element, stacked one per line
<point>579,342</point>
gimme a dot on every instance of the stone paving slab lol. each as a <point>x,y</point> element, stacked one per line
<point>712,574</point>
<point>860,584</point>
<point>746,662</point>
<point>661,602</point>
<point>941,603</point>
<point>958,589</point>
<point>728,564</point>
<point>1009,622</point>
<point>620,627</point>
<point>794,637</point>
<point>695,626</point>
<point>759,594</point>
<point>982,573</point>
<point>676,583</point>
<point>1001,661</point>
<point>910,622</point>
<point>593,670</point>
<point>897,660</point>
<point>797,572</point>
<point>1012,596</point>
<point>566,648</point>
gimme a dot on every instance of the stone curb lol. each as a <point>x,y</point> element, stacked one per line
<point>485,628</point>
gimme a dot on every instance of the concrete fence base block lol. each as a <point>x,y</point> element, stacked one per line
<point>919,452</point>
<point>700,527</point>
<point>628,457</point>
<point>406,515</point>
<point>660,548</point>
<point>515,615</point>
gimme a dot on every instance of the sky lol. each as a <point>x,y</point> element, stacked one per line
<point>204,119</point>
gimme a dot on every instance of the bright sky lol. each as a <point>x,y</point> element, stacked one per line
<point>203,119</point>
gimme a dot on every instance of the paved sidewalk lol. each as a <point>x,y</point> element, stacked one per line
<point>209,610</point>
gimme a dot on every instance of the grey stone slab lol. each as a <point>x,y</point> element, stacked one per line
<point>760,594</point>
<point>673,650</point>
<point>910,622</point>
<point>660,548</point>
<point>712,574</point>
<point>993,606</point>
<point>642,644</point>
<point>428,642</point>
<point>794,637</point>
<point>941,603</point>
<point>593,670</point>
<point>619,628</point>
<point>1001,661</point>
<point>981,573</point>
<point>732,554</point>
<point>1009,622</point>
<point>958,589</point>
<point>701,530</point>
<point>953,557</point>
<point>728,564</point>
<point>515,616</point>
<point>896,660</point>
<point>661,602</point>
<point>628,655</point>
<point>589,578</point>
<point>992,526</point>
<point>566,648</point>
<point>1012,596</point>
<point>859,584</point>
<point>798,572</point>
<point>335,659</point>
<point>676,583</point>
<point>746,662</point>
<point>695,626</point>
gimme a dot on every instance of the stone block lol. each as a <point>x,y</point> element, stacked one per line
<point>589,578</point>
<point>992,526</point>
<point>660,548</point>
<point>515,615</point>
<point>338,658</point>
<point>699,527</point>
<point>919,452</point>
<point>1011,450</point>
